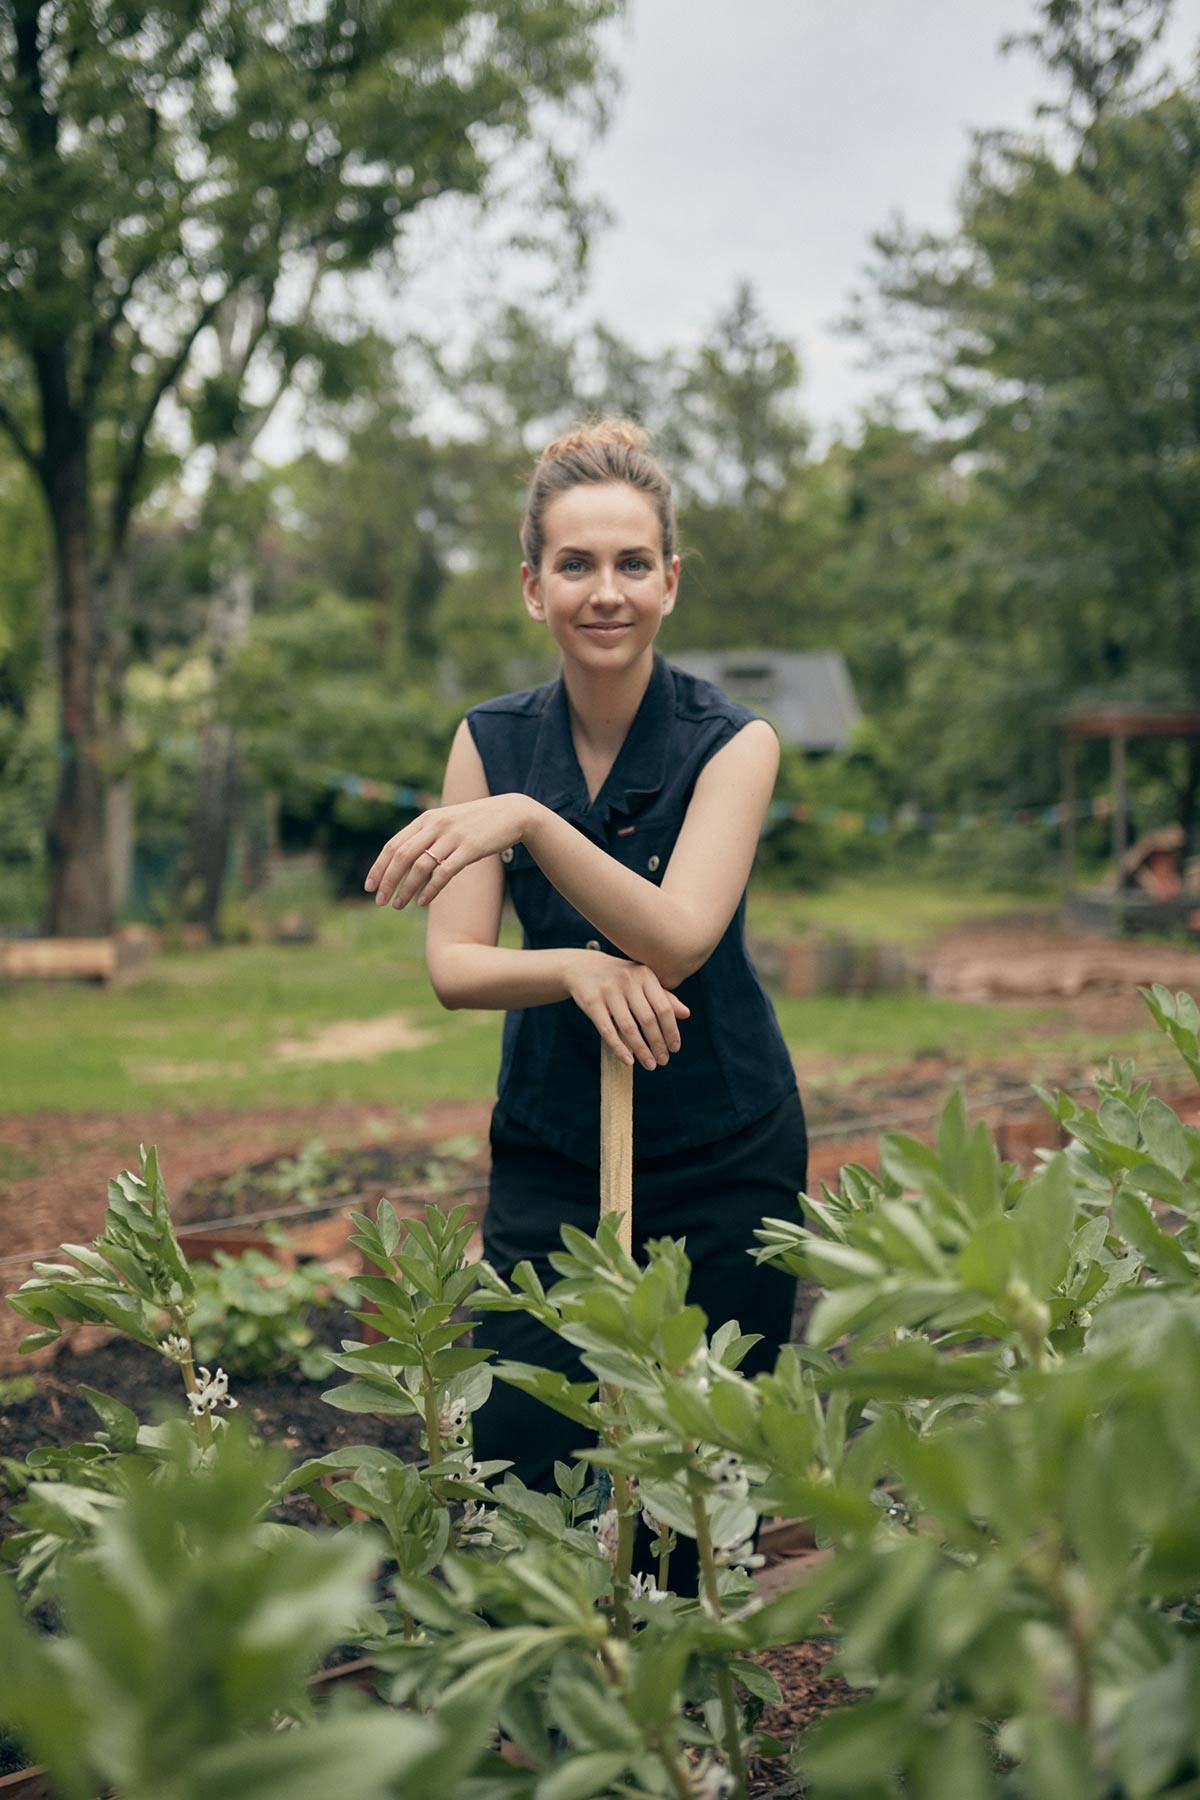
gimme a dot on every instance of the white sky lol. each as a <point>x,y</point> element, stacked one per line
<point>767,141</point>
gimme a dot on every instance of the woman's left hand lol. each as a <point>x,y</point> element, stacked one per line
<point>456,836</point>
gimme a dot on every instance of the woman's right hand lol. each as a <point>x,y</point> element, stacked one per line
<point>629,1006</point>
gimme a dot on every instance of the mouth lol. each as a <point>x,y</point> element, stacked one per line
<point>607,631</point>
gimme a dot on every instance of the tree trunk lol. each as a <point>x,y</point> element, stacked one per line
<point>206,857</point>
<point>80,896</point>
<point>205,861</point>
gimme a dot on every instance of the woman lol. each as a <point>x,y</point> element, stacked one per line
<point>621,803</point>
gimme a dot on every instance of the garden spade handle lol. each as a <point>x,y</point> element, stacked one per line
<point>616,1141</point>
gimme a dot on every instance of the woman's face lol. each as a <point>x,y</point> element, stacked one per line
<point>602,565</point>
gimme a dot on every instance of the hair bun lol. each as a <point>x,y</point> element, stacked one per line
<point>594,434</point>
<point>599,450</point>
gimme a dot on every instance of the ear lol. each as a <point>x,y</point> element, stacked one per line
<point>531,588</point>
<point>670,585</point>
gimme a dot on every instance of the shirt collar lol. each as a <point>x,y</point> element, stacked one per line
<point>555,777</point>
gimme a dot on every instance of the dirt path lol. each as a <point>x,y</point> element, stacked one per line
<point>1029,961</point>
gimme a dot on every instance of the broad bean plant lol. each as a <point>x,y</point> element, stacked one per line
<point>1022,1360</point>
<point>991,1425</point>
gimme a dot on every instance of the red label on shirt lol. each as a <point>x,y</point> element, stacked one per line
<point>624,830</point>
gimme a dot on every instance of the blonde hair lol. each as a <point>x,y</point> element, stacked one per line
<point>597,450</point>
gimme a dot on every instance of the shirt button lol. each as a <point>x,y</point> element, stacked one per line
<point>653,862</point>
<point>592,944</point>
<point>506,855</point>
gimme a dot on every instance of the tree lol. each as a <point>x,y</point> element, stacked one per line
<point>160,162</point>
<point>1062,356</point>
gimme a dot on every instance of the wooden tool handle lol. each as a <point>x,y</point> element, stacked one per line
<point>616,1141</point>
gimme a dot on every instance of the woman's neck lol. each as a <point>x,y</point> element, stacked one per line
<point>602,703</point>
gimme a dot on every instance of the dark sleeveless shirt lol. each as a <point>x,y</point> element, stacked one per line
<point>733,1065</point>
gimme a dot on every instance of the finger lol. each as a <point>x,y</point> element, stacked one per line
<point>630,1031</point>
<point>379,865</point>
<point>611,1035</point>
<point>597,1012</point>
<point>443,871</point>
<point>662,1000</point>
<point>423,868</point>
<point>424,825</point>
<point>651,1030</point>
<point>399,866</point>
<point>668,1027</point>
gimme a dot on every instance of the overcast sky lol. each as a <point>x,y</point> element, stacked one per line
<point>767,140</point>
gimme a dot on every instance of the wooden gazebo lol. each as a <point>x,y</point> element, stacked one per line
<point>1121,907</point>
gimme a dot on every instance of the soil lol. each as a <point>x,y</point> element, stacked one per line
<point>1031,961</point>
<point>807,1693</point>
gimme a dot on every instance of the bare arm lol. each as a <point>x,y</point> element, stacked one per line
<point>466,965</point>
<point>673,927</point>
<point>630,1008</point>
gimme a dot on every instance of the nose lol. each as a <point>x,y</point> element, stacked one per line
<point>607,587</point>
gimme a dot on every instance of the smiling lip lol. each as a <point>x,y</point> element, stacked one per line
<point>606,630</point>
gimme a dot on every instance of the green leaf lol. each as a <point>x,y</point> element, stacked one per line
<point>1118,1122</point>
<point>680,1335</point>
<point>582,1776</point>
<point>361,1396</point>
<point>1157,1724</point>
<point>1165,1138</point>
<point>985,1261</point>
<point>951,1762</point>
<point>756,1680</point>
<point>118,1420</point>
<point>571,1398</point>
<point>1058,1761</point>
<point>1137,1225</point>
<point>857,1745</point>
<point>1044,1219</point>
<point>313,1763</point>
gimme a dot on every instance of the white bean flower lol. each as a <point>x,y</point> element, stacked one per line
<point>475,1526</point>
<point>210,1392</point>
<point>178,1349</point>
<point>453,1419</point>
<point>713,1782</point>
<point>740,1556</point>
<point>606,1528</point>
<point>645,1587</point>
<point>727,1471</point>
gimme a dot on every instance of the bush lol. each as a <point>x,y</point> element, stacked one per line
<point>256,1317</point>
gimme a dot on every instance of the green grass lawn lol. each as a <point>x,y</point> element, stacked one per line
<point>885,910</point>
<point>205,1027</point>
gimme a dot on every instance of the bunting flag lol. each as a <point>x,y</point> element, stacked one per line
<point>907,817</point>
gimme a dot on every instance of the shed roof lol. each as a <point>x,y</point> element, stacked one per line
<point>807,694</point>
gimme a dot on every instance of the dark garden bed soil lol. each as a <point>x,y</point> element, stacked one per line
<point>808,1691</point>
<point>285,1409</point>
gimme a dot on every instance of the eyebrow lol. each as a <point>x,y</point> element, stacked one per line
<point>632,550</point>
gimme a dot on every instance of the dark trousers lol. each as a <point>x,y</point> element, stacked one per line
<point>713,1196</point>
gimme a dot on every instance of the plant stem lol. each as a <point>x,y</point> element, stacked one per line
<point>201,1420</point>
<point>677,1776</point>
<point>433,1437</point>
<point>712,1599</point>
<point>626,1520</point>
<point>623,1501</point>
